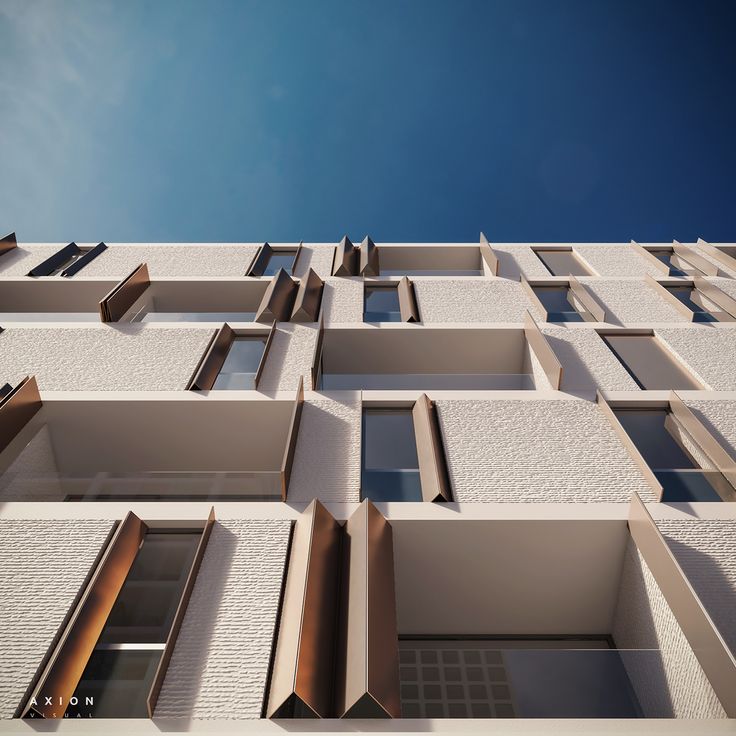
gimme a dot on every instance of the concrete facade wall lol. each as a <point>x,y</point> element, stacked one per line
<point>518,260</point>
<point>535,451</point>
<point>103,358</point>
<point>670,683</point>
<point>342,300</point>
<point>289,358</point>
<point>631,301</point>
<point>318,258</point>
<point>19,261</point>
<point>719,416</point>
<point>615,259</point>
<point>43,567</point>
<point>220,662</point>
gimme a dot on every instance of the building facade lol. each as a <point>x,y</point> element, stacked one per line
<point>244,485</point>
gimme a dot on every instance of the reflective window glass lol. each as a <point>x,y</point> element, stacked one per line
<point>238,372</point>
<point>381,304</point>
<point>556,302</point>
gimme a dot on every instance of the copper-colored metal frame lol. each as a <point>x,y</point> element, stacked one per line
<point>367,681</point>
<point>694,259</point>
<point>123,295</point>
<point>317,357</point>
<point>278,300</point>
<point>407,301</point>
<point>727,260</point>
<point>308,298</point>
<point>435,480</point>
<point>712,652</point>
<point>291,439</point>
<point>87,258</point>
<point>369,260</point>
<point>488,256</point>
<point>345,259</point>
<point>545,355</point>
<point>258,266</point>
<point>303,668</point>
<point>17,407</point>
<point>64,670</point>
<point>53,262</point>
<point>186,594</point>
<point>8,243</point>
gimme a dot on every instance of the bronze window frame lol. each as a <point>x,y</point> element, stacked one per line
<point>123,295</point>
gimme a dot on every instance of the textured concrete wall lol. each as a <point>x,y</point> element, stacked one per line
<point>33,475</point>
<point>289,357</point>
<point>632,301</point>
<point>536,451</point>
<point>706,551</point>
<point>120,358</point>
<point>43,566</point>
<point>615,259</point>
<point>587,362</point>
<point>327,458</point>
<point>471,300</point>
<point>220,662</point>
<point>163,259</point>
<point>720,418</point>
<point>708,353</point>
<point>516,260</point>
<point>342,300</point>
<point>20,260</point>
<point>316,257</point>
<point>670,683</point>
<point>726,285</point>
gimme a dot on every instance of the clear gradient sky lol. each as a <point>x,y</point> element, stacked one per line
<point>409,120</point>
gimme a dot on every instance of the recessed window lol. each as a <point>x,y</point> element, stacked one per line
<point>557,302</point>
<point>702,309</point>
<point>677,265</point>
<point>648,363</point>
<point>120,671</point>
<point>241,363</point>
<point>280,259</point>
<point>73,258</point>
<point>390,466</point>
<point>144,316</point>
<point>381,304</point>
<point>562,263</point>
<point>682,479</point>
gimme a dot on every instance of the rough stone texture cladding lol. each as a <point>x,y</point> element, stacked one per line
<point>327,458</point>
<point>669,682</point>
<point>342,300</point>
<point>587,363</point>
<point>220,662</point>
<point>630,301</point>
<point>119,358</point>
<point>706,552</point>
<point>536,451</point>
<point>516,260</point>
<point>318,258</point>
<point>43,566</point>
<point>20,260</point>
<point>163,259</point>
<point>471,300</point>
<point>707,352</point>
<point>289,357</point>
<point>610,259</point>
<point>728,286</point>
<point>720,418</point>
<point>33,475</point>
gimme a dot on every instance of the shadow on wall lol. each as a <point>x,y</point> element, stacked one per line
<point>576,378</point>
<point>724,442</point>
<point>188,664</point>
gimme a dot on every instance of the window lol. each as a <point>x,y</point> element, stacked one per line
<point>390,466</point>
<point>144,316</point>
<point>381,304</point>
<point>73,258</point>
<point>241,363</point>
<point>563,262</point>
<point>557,301</point>
<point>648,363</point>
<point>703,310</point>
<point>655,432</point>
<point>280,259</point>
<point>68,261</point>
<point>677,265</point>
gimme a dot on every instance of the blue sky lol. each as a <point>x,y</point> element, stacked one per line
<point>410,120</point>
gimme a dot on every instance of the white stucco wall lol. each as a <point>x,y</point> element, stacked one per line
<point>710,353</point>
<point>629,301</point>
<point>706,552</point>
<point>719,416</point>
<point>318,258</point>
<point>327,458</point>
<point>289,358</point>
<point>471,300</point>
<point>20,260</point>
<point>670,683</point>
<point>165,259</point>
<point>220,662</point>
<point>103,358</point>
<point>517,259</point>
<point>342,300</point>
<point>615,259</point>
<point>587,363</point>
<point>535,451</point>
<point>43,566</point>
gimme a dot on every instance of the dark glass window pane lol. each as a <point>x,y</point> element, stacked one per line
<point>280,259</point>
<point>388,439</point>
<point>657,446</point>
<point>382,304</point>
<point>562,263</point>
<point>391,485</point>
<point>240,366</point>
<point>666,257</point>
<point>683,485</point>
<point>68,262</point>
<point>555,301</point>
